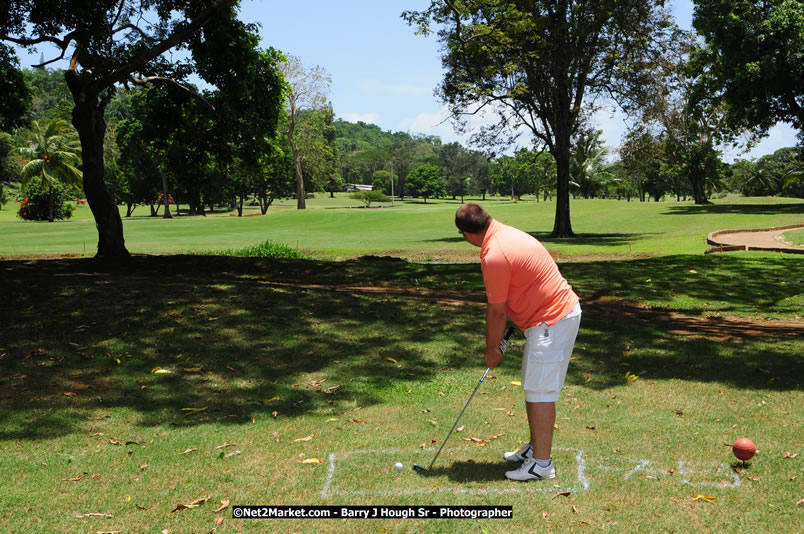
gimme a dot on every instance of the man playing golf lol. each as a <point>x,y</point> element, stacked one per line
<point>523,283</point>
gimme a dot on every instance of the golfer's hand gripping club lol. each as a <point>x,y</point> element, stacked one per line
<point>503,346</point>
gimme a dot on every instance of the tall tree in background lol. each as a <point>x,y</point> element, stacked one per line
<point>426,181</point>
<point>536,63</point>
<point>307,90</point>
<point>314,138</point>
<point>14,93</point>
<point>753,61</point>
<point>688,130</point>
<point>108,42</point>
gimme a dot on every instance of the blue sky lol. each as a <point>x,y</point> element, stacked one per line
<point>383,73</point>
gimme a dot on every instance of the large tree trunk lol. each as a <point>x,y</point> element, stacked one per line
<point>562,227</point>
<point>88,121</point>
<point>301,203</point>
<point>698,185</point>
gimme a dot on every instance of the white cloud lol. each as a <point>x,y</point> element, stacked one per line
<point>370,118</point>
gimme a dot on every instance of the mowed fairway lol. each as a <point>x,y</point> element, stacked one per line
<point>156,394</point>
<point>340,228</point>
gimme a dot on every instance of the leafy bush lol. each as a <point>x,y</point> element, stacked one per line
<point>266,249</point>
<point>41,203</point>
<point>367,197</point>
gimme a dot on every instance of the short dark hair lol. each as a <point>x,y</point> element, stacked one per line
<point>472,218</point>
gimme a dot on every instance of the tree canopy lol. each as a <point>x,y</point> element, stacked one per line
<point>112,42</point>
<point>752,61</point>
<point>535,65</point>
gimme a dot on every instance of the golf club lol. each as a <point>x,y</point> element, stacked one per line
<point>503,346</point>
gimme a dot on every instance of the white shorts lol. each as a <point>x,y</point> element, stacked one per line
<point>547,356</point>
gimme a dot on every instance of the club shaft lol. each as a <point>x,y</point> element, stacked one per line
<point>459,416</point>
<point>503,346</point>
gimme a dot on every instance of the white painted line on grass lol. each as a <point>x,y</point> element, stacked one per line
<point>642,465</point>
<point>330,474</point>
<point>579,459</point>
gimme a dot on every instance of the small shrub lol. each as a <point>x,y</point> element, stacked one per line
<point>367,197</point>
<point>38,200</point>
<point>266,249</point>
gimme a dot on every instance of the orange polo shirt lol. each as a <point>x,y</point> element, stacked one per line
<point>518,271</point>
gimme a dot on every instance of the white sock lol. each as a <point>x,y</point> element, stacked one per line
<point>544,463</point>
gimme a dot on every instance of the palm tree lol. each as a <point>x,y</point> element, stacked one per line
<point>588,169</point>
<point>794,176</point>
<point>51,154</point>
<point>759,180</point>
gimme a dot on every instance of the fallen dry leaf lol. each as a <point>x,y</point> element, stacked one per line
<point>789,454</point>
<point>195,504</point>
<point>224,446</point>
<point>425,411</point>
<point>562,494</point>
<point>704,498</point>
<point>94,514</point>
<point>389,359</point>
<point>224,505</point>
<point>317,383</point>
<point>305,438</point>
<point>359,421</point>
<point>69,394</point>
<point>315,461</point>
<point>800,502</point>
<point>218,520</point>
<point>423,446</point>
<point>274,413</point>
<point>189,450</point>
<point>74,479</point>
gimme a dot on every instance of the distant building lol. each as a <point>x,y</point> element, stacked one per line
<point>353,188</point>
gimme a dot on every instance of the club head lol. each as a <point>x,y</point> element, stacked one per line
<point>420,469</point>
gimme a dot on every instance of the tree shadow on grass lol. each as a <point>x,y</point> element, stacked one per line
<point>598,240</point>
<point>185,340</point>
<point>742,209</point>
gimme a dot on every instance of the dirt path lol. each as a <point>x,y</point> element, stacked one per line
<point>762,239</point>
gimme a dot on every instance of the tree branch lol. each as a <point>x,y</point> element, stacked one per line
<point>136,29</point>
<point>178,37</point>
<point>150,79</point>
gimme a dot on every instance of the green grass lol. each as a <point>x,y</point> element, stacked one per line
<point>338,228</point>
<point>796,237</point>
<point>126,388</point>
<point>251,345</point>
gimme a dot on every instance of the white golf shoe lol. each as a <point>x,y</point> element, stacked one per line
<point>520,455</point>
<point>530,470</point>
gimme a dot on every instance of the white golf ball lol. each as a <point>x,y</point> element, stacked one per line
<point>398,466</point>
